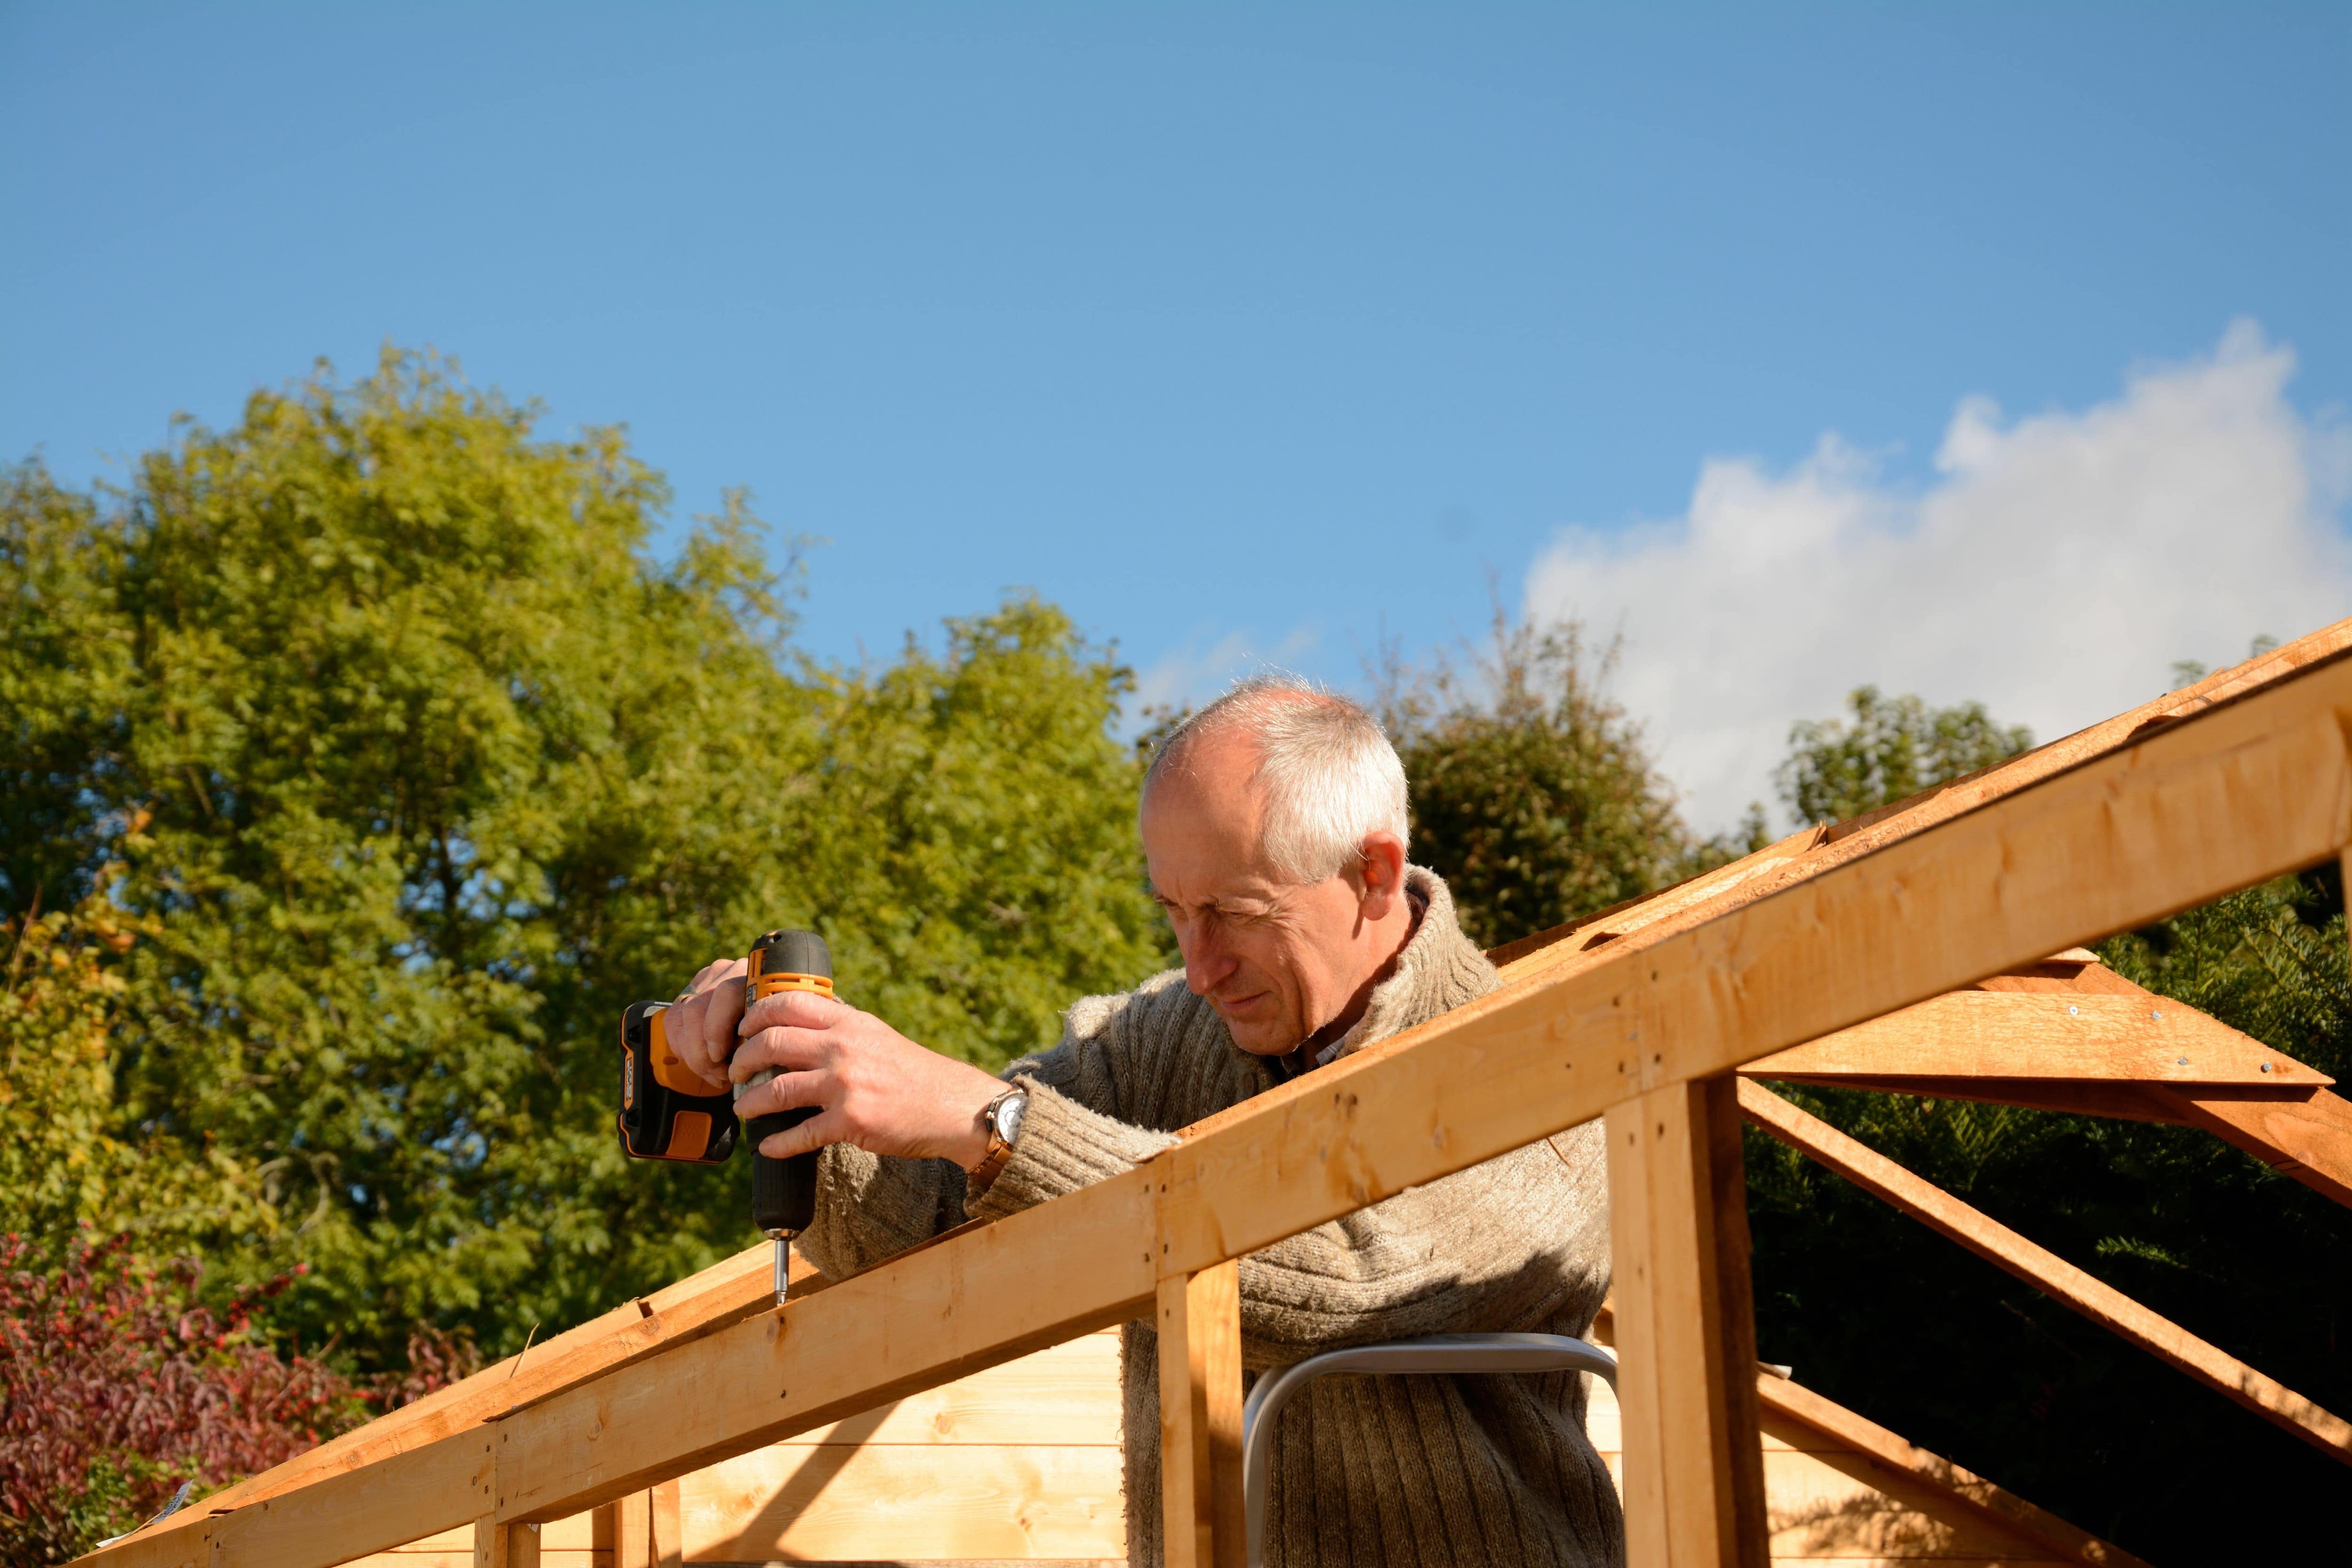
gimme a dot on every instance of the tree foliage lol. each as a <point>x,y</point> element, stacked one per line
<point>415,766</point>
<point>1533,795</point>
<point>1881,1314</point>
<point>68,1162</point>
<point>1888,750</point>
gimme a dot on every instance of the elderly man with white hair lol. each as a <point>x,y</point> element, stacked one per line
<point>1274,826</point>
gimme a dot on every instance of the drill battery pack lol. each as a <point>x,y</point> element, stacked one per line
<point>667,1113</point>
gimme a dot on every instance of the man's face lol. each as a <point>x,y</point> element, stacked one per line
<point>1278,960</point>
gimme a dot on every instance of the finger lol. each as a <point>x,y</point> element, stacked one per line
<point>681,1032</point>
<point>717,971</point>
<point>786,1091</point>
<point>825,1127</point>
<point>722,1008</point>
<point>793,1010</point>
<point>790,1051</point>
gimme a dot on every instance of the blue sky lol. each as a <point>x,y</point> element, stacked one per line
<point>1242,333</point>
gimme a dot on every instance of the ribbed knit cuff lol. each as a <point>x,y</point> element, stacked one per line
<point>1063,1146</point>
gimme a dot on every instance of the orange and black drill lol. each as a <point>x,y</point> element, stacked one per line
<point>666,1113</point>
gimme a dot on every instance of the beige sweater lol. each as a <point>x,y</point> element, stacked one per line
<point>1385,1471</point>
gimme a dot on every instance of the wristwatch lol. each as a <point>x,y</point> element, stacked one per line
<point>1001,1119</point>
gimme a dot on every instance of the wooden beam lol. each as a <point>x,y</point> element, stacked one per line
<point>2047,1272</point>
<point>2042,1035</point>
<point>992,1293</point>
<point>343,1515</point>
<point>2308,1138</point>
<point>1693,1481</point>
<point>2231,796</point>
<point>633,1539</point>
<point>1781,1396</point>
<point>500,1545</point>
<point>1811,850</point>
<point>2269,1105</point>
<point>664,1513</point>
<point>1199,1328</point>
<point>1995,875</point>
<point>724,1293</point>
<point>1797,1403</point>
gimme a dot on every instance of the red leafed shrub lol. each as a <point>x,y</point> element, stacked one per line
<point>116,1385</point>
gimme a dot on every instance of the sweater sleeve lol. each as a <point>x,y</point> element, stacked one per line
<point>1520,1242</point>
<point>869,1206</point>
<point>1063,1146</point>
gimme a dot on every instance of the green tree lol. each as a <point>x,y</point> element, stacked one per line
<point>1879,1314</point>
<point>440,768</point>
<point>1888,750</point>
<point>1533,793</point>
<point>69,1167</point>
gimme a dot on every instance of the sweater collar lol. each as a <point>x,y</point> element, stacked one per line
<point>1437,971</point>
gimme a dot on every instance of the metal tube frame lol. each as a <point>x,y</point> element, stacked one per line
<point>1454,1353</point>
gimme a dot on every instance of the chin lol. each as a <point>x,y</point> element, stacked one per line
<point>1260,1040</point>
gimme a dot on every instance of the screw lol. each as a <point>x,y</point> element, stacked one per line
<point>2266,1066</point>
<point>2183,1062</point>
<point>2156,1016</point>
<point>2072,1011</point>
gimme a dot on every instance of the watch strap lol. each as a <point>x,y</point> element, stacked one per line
<point>1000,1152</point>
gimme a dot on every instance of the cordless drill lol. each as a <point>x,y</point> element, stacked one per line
<point>666,1113</point>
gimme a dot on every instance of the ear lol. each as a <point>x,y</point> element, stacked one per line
<point>1382,874</point>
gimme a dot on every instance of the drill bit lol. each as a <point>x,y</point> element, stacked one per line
<point>784,1268</point>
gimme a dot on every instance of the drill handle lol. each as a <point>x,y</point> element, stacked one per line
<point>783,1191</point>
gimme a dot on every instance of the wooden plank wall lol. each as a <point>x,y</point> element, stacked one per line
<point>1021,1464</point>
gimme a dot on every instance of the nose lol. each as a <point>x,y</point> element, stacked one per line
<point>1207,965</point>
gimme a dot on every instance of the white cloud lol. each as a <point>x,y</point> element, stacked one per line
<point>2055,568</point>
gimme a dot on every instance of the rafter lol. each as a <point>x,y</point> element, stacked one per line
<point>2030,858</point>
<point>2061,1037</point>
<point>2021,1040</point>
<point>2047,1272</point>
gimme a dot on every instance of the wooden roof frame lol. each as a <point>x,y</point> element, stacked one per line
<point>1640,1016</point>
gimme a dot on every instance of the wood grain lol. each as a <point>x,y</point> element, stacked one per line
<point>1988,875</point>
<point>2047,1272</point>
<point>890,1501</point>
<point>2210,804</point>
<point>2058,1035</point>
<point>1694,1486</point>
<point>985,1297</point>
<point>1200,1334</point>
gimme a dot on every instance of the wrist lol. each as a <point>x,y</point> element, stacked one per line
<point>968,1141</point>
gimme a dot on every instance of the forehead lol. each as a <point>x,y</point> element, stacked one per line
<point>1200,823</point>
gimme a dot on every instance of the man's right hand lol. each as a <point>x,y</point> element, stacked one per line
<point>702,1025</point>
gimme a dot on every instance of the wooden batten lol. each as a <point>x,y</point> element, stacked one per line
<point>500,1545</point>
<point>2047,1272</point>
<point>2069,1036</point>
<point>2125,825</point>
<point>1694,1485</point>
<point>1200,1331</point>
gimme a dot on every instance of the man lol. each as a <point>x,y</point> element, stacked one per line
<point>1274,826</point>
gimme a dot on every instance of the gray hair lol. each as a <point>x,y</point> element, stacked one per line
<point>1328,775</point>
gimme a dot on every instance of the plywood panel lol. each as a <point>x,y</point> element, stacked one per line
<point>1069,1393</point>
<point>1021,1463</point>
<point>906,1500</point>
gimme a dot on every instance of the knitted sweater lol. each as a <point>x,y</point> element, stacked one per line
<point>1380,1472</point>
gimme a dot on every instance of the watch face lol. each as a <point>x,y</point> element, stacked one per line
<point>1009,1115</point>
